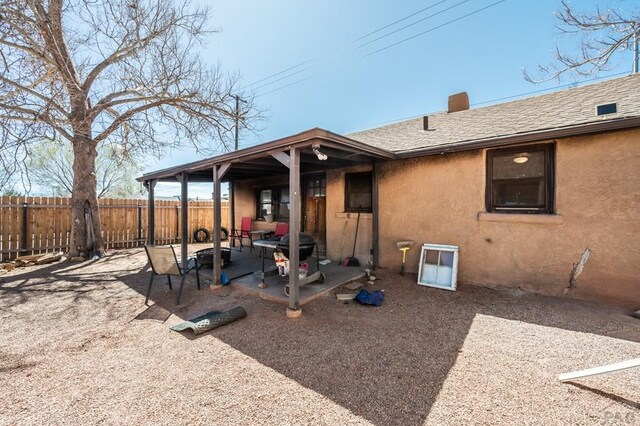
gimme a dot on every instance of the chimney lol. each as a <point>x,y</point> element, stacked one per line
<point>425,122</point>
<point>458,102</point>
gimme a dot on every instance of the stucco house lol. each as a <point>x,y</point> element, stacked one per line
<point>523,188</point>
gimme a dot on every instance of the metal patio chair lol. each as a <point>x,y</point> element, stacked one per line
<point>243,232</point>
<point>164,261</point>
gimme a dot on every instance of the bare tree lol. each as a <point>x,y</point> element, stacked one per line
<point>124,73</point>
<point>51,165</point>
<point>603,37</point>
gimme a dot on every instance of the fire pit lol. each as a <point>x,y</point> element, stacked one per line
<point>205,256</point>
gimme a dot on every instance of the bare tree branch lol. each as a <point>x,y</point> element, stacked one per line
<point>124,74</point>
<point>604,35</point>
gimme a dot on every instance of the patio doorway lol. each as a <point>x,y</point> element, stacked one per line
<point>315,210</point>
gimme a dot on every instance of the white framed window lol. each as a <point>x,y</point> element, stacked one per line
<point>438,266</point>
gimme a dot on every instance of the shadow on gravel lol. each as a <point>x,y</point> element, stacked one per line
<point>387,364</point>
<point>384,364</point>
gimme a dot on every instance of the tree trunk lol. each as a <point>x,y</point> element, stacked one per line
<point>84,190</point>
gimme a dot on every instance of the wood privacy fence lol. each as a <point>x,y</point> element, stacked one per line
<point>34,225</point>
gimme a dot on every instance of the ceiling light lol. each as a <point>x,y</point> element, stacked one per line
<point>521,158</point>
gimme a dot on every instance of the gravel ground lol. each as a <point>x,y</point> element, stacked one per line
<point>77,346</point>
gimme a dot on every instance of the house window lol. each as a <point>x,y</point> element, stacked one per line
<point>358,189</point>
<point>273,201</point>
<point>521,180</point>
<point>318,187</point>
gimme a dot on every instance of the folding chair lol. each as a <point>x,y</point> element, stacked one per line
<point>281,230</point>
<point>243,232</point>
<point>164,261</point>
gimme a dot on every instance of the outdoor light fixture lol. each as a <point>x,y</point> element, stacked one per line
<point>320,155</point>
<point>521,158</point>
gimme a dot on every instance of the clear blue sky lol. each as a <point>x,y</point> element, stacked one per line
<point>344,91</point>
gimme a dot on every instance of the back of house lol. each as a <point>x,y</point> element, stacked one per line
<point>541,194</point>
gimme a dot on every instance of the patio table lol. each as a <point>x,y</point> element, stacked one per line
<point>264,245</point>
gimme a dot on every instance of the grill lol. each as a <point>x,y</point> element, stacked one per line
<point>307,244</point>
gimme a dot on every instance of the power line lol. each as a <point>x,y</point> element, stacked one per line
<point>281,72</point>
<point>413,23</point>
<point>285,86</point>
<point>401,41</point>
<point>398,21</point>
<point>282,78</point>
<point>347,45</point>
<point>433,29</point>
<point>561,86</point>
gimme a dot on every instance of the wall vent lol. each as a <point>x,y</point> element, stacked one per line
<point>606,109</point>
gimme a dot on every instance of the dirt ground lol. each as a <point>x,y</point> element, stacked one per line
<point>78,346</point>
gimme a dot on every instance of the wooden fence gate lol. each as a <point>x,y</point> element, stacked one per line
<point>34,225</point>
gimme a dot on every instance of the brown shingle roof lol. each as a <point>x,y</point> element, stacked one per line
<point>556,110</point>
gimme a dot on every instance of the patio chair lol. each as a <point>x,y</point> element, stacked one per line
<point>164,261</point>
<point>281,230</point>
<point>243,232</point>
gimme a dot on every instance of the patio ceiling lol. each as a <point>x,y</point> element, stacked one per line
<point>258,161</point>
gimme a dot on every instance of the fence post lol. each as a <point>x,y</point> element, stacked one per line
<point>23,235</point>
<point>139,223</point>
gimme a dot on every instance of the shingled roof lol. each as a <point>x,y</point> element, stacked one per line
<point>566,109</point>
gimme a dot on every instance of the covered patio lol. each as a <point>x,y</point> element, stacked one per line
<point>308,153</point>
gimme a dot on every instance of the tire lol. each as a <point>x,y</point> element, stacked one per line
<point>201,235</point>
<point>224,234</point>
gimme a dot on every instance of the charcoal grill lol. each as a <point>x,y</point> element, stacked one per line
<point>306,246</point>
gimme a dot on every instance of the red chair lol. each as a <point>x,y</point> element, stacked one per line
<point>243,232</point>
<point>282,229</point>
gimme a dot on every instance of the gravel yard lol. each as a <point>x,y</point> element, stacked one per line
<point>78,346</point>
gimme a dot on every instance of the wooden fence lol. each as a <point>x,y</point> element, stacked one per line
<point>34,225</point>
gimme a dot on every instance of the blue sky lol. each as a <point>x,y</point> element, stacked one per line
<point>344,90</point>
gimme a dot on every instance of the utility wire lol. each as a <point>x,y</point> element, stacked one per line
<point>347,45</point>
<point>398,21</point>
<point>561,86</point>
<point>433,29</point>
<point>285,86</point>
<point>413,23</point>
<point>282,78</point>
<point>401,41</point>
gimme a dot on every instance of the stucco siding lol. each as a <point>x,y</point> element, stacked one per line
<point>441,200</point>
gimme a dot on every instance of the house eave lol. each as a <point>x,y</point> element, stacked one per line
<point>523,138</point>
<point>301,140</point>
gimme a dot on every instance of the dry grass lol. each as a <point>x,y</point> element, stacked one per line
<point>73,352</point>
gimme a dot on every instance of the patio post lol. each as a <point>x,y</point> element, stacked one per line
<point>218,173</point>
<point>294,233</point>
<point>217,209</point>
<point>184,202</point>
<point>375,211</point>
<point>151,216</point>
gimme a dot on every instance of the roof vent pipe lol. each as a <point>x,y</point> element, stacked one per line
<point>425,123</point>
<point>458,102</point>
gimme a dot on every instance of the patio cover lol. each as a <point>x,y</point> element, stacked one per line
<point>293,155</point>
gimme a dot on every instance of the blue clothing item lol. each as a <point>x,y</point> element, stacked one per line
<point>374,299</point>
<point>224,279</point>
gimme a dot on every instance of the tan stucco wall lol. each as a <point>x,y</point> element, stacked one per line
<point>439,200</point>
<point>341,226</point>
